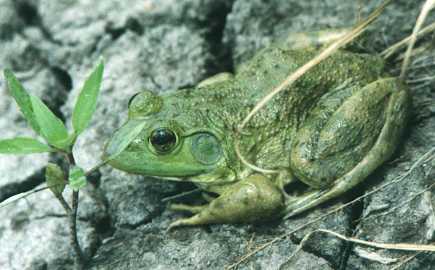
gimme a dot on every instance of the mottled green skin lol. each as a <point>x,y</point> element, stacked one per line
<point>331,129</point>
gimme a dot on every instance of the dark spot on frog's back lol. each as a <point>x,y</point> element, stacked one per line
<point>276,66</point>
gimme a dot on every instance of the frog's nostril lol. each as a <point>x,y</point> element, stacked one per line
<point>136,145</point>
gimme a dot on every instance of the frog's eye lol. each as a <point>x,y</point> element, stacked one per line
<point>163,140</point>
<point>131,99</point>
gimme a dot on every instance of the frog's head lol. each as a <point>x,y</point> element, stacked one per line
<point>169,143</point>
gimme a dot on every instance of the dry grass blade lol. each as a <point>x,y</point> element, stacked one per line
<point>406,260</point>
<point>427,7</point>
<point>391,210</point>
<point>393,49</point>
<point>389,246</point>
<point>180,195</point>
<point>20,196</point>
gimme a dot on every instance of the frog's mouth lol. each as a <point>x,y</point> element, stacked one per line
<point>179,171</point>
<point>139,163</point>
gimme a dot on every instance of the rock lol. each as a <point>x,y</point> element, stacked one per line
<point>76,33</point>
<point>322,245</point>
<point>10,20</point>
<point>133,200</point>
<point>306,261</point>
<point>252,25</point>
<point>195,248</point>
<point>35,232</point>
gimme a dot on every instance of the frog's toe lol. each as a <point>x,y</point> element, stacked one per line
<point>192,221</point>
<point>188,208</point>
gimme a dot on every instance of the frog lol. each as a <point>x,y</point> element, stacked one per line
<point>327,132</point>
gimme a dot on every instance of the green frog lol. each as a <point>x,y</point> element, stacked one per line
<point>328,131</point>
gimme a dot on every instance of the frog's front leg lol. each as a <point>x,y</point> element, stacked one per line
<point>346,138</point>
<point>253,199</point>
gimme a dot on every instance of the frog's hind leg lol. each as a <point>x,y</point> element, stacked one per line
<point>317,170</point>
<point>252,199</point>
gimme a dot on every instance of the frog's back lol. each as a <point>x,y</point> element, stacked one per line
<point>272,65</point>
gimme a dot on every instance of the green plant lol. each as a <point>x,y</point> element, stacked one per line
<point>57,139</point>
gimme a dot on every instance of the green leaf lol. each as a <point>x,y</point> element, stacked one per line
<point>77,178</point>
<point>22,98</point>
<point>123,137</point>
<point>55,179</point>
<point>23,146</point>
<point>52,128</point>
<point>87,100</point>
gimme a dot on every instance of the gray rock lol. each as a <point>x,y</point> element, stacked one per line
<point>306,261</point>
<point>76,28</point>
<point>251,25</point>
<point>195,248</point>
<point>10,20</point>
<point>35,232</point>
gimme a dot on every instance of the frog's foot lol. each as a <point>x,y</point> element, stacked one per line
<point>253,199</point>
<point>377,112</point>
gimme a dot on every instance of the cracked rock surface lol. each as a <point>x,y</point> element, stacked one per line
<point>165,45</point>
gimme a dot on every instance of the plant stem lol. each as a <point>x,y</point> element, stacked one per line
<point>72,220</point>
<point>79,259</point>
<point>64,204</point>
